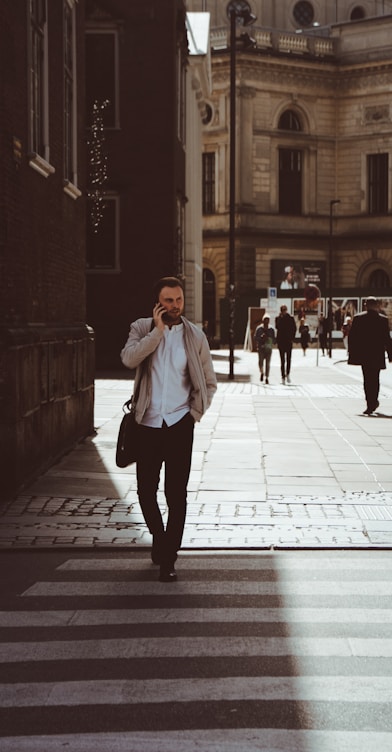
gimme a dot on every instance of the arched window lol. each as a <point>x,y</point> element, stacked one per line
<point>304,14</point>
<point>378,280</point>
<point>289,121</point>
<point>357,13</point>
<point>290,168</point>
<point>207,117</point>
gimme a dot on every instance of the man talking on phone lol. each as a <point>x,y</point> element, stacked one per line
<point>176,382</point>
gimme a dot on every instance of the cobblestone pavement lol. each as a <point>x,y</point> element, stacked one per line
<point>282,466</point>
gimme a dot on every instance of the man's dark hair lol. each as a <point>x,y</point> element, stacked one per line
<point>167,282</point>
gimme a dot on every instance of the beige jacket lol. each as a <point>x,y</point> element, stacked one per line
<point>142,343</point>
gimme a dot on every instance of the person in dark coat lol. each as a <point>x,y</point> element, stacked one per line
<point>368,341</point>
<point>264,338</point>
<point>286,331</point>
<point>304,335</point>
<point>322,332</point>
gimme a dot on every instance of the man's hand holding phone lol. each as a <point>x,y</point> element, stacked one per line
<point>158,313</point>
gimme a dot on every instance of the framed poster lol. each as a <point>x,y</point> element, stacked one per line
<point>289,274</point>
<point>308,310</point>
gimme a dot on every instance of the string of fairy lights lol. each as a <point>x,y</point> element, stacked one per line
<point>98,164</point>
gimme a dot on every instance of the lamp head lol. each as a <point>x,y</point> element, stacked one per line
<point>242,12</point>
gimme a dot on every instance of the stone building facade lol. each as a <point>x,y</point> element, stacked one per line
<point>46,347</point>
<point>314,153</point>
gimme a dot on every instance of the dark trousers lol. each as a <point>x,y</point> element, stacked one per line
<point>265,357</point>
<point>371,385</point>
<point>323,342</point>
<point>172,446</point>
<point>285,359</point>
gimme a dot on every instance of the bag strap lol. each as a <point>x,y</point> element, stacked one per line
<point>127,406</point>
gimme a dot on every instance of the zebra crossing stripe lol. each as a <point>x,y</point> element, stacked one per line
<point>187,647</point>
<point>283,615</point>
<point>366,689</point>
<point>227,587</point>
<point>282,563</point>
<point>205,740</point>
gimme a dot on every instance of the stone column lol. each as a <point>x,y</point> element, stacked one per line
<point>245,147</point>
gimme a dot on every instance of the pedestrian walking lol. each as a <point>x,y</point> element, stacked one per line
<point>175,380</point>
<point>322,332</point>
<point>264,338</point>
<point>368,341</point>
<point>285,335</point>
<point>346,330</point>
<point>304,335</point>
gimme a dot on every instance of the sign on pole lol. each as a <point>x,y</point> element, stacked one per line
<point>272,300</point>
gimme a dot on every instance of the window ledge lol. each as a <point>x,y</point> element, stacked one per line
<point>102,271</point>
<point>71,190</point>
<point>41,165</point>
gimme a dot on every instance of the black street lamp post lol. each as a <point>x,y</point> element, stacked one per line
<point>239,13</point>
<point>330,314</point>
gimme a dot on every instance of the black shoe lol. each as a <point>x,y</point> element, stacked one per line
<point>371,410</point>
<point>368,411</point>
<point>167,573</point>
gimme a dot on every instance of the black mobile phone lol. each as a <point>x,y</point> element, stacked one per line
<point>165,317</point>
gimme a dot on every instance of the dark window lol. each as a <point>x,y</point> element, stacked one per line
<point>357,13</point>
<point>289,121</point>
<point>37,76</point>
<point>303,13</point>
<point>102,242</point>
<point>68,94</point>
<point>246,269</point>
<point>101,74</point>
<point>181,95</point>
<point>207,118</point>
<point>290,181</point>
<point>209,183</point>
<point>377,165</point>
<point>379,280</point>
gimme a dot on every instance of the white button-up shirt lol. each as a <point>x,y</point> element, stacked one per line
<point>170,383</point>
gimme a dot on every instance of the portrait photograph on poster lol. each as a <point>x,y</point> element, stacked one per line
<point>296,274</point>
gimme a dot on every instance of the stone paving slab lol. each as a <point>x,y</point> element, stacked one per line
<point>274,466</point>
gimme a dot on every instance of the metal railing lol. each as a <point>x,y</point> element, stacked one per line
<point>297,43</point>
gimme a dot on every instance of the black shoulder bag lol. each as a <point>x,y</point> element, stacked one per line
<point>127,441</point>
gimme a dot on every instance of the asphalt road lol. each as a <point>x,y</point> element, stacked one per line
<point>280,650</point>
